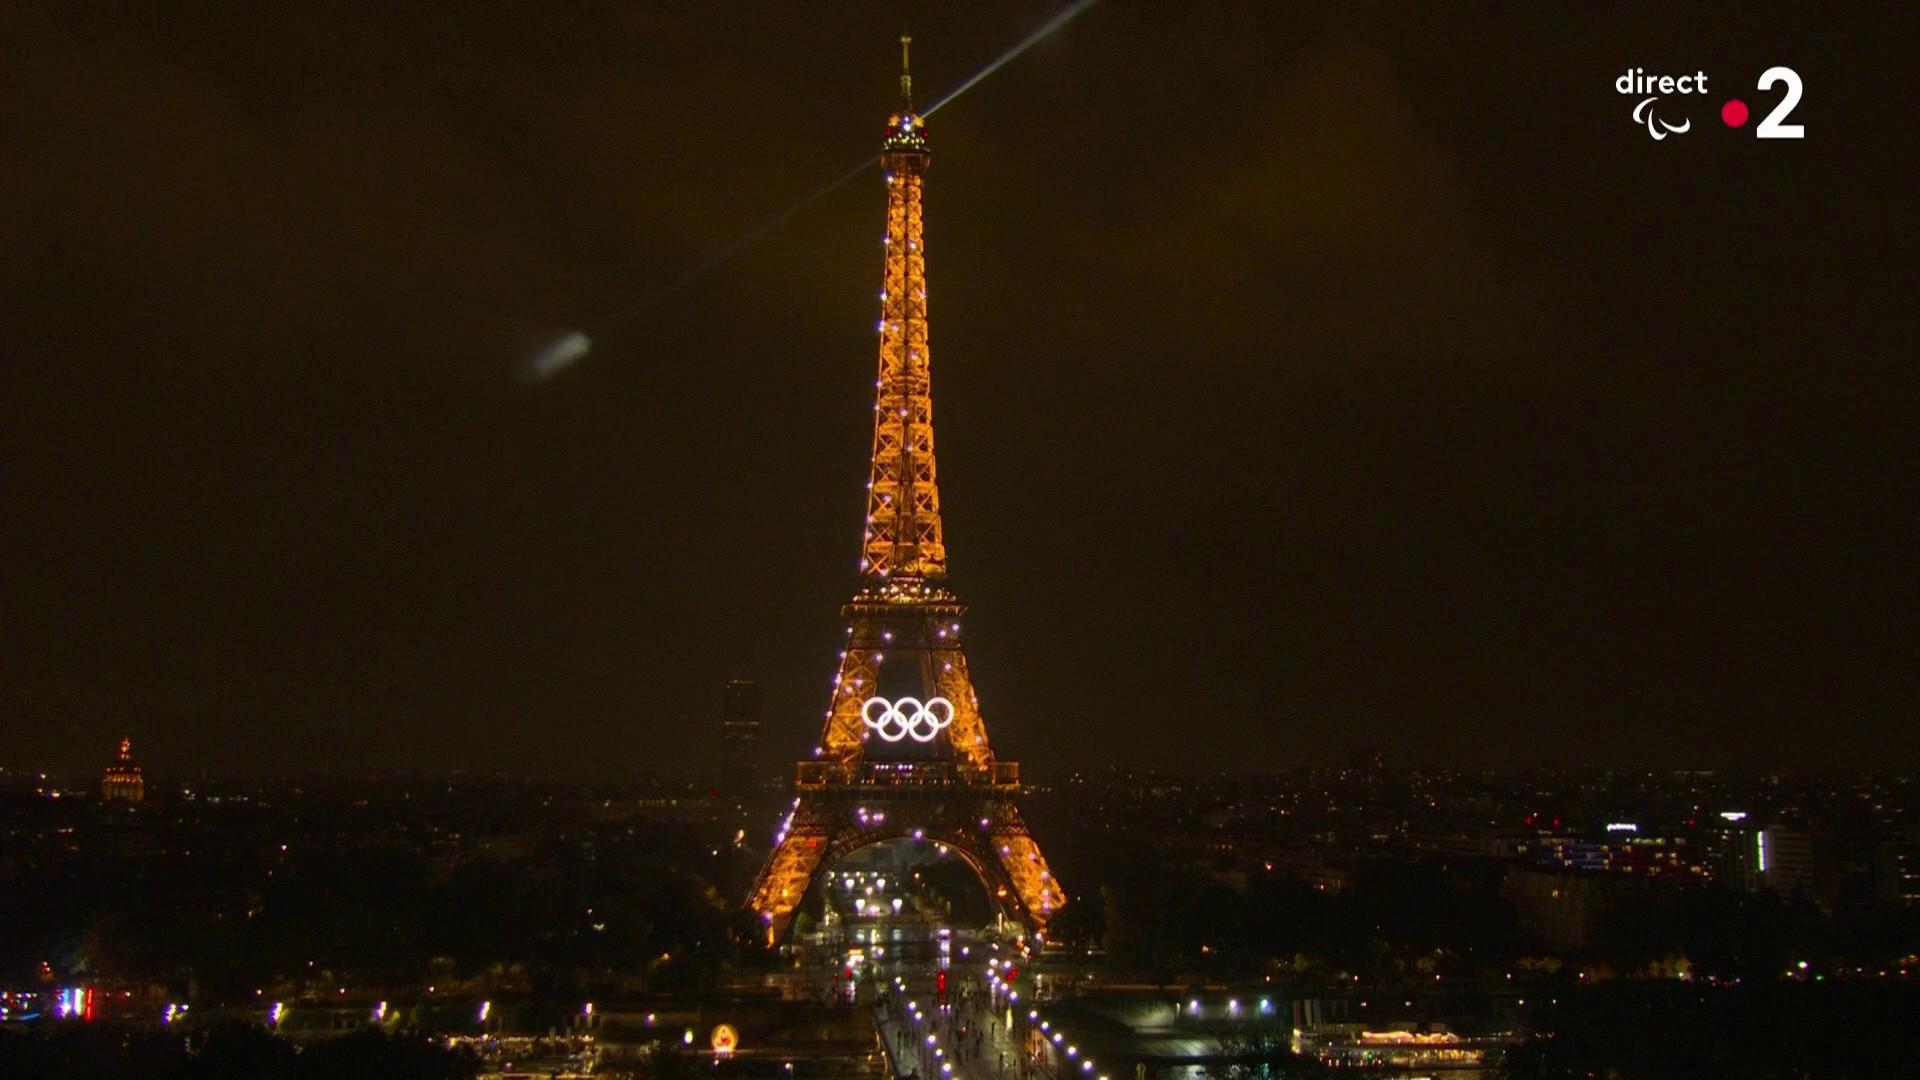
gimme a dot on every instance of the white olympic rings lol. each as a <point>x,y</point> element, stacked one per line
<point>896,720</point>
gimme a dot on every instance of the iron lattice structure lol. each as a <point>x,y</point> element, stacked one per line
<point>904,635</point>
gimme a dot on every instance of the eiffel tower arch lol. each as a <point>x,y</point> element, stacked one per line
<point>903,753</point>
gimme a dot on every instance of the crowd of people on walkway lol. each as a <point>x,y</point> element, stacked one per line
<point>964,1029</point>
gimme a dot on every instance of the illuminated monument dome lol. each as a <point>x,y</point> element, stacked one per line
<point>904,754</point>
<point>122,782</point>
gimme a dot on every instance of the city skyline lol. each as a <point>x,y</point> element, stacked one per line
<point>1303,385</point>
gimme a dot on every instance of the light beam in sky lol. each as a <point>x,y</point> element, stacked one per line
<point>1026,43</point>
<point>569,349</point>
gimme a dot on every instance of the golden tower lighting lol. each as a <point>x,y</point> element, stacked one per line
<point>904,754</point>
<point>123,781</point>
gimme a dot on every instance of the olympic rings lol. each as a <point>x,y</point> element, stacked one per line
<point>896,720</point>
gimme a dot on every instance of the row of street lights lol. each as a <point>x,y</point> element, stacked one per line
<point>1057,1039</point>
<point>932,1046</point>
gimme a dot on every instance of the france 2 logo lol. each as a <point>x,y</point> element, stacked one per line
<point>1651,89</point>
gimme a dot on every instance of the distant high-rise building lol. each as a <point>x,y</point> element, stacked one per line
<point>1798,861</point>
<point>1731,850</point>
<point>740,737</point>
<point>1897,870</point>
<point>123,782</point>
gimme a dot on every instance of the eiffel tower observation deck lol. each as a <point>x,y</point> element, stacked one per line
<point>903,755</point>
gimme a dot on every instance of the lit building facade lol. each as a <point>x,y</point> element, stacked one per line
<point>1733,850</point>
<point>123,782</point>
<point>1798,862</point>
<point>1897,871</point>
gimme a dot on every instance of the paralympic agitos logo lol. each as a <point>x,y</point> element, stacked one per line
<point>1662,117</point>
<point>1637,82</point>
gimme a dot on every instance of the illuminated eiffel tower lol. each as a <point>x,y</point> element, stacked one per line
<point>904,754</point>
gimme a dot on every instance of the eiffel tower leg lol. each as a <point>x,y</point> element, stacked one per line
<point>790,868</point>
<point>1020,860</point>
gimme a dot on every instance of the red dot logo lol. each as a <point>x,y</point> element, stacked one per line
<point>1734,112</point>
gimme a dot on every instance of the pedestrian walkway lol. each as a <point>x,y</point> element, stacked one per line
<point>963,1041</point>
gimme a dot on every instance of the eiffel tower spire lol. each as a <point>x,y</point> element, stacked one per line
<point>903,754</point>
<point>906,76</point>
<point>903,537</point>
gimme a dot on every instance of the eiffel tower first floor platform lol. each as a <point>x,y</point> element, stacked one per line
<point>841,807</point>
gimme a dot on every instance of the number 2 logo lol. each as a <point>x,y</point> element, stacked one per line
<point>1771,127</point>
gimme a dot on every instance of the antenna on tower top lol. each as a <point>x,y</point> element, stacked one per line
<point>906,79</point>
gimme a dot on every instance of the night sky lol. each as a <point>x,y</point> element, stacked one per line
<point>1305,377</point>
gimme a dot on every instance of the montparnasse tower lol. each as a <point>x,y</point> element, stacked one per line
<point>903,754</point>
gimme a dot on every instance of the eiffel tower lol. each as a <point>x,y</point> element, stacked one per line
<point>904,753</point>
